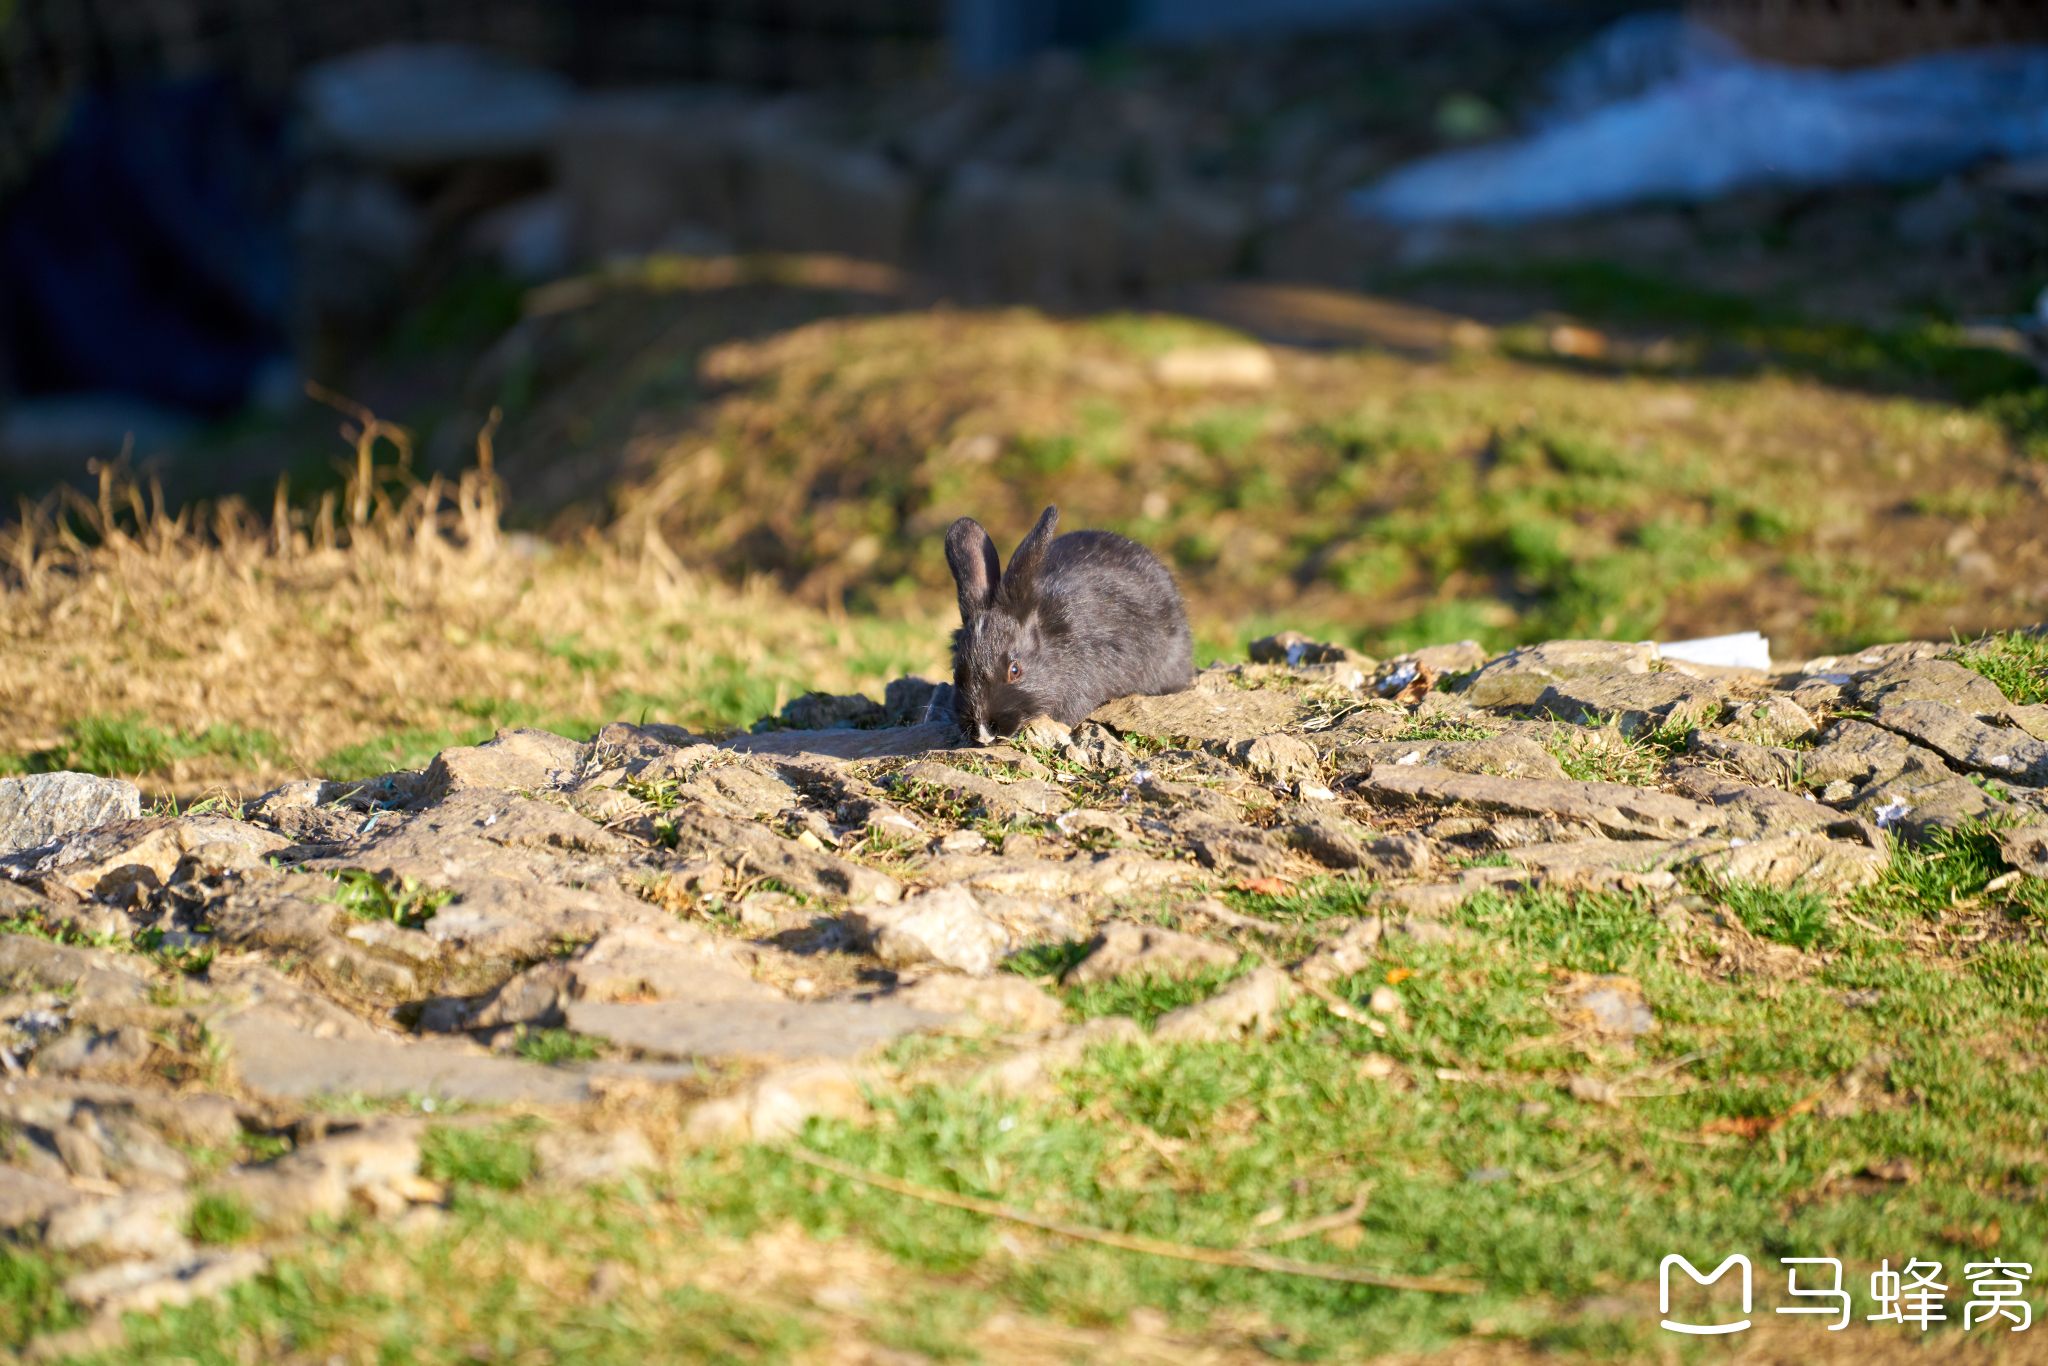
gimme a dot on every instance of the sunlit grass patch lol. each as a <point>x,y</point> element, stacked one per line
<point>2017,661</point>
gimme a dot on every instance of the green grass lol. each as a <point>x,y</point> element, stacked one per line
<point>497,1159</point>
<point>467,1293</point>
<point>368,897</point>
<point>1201,1143</point>
<point>128,746</point>
<point>217,1219</point>
<point>2015,660</point>
<point>1928,353</point>
<point>555,1045</point>
<point>1793,916</point>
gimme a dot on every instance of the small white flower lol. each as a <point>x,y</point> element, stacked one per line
<point>427,1104</point>
<point>1143,775</point>
<point>1007,1123</point>
<point>1891,813</point>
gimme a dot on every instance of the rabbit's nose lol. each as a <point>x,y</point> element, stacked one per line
<point>988,737</point>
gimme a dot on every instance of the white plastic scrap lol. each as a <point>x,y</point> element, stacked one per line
<point>1743,650</point>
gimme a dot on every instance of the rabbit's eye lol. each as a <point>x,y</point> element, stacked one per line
<point>1016,671</point>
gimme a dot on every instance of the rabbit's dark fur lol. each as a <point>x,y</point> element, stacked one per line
<point>1073,623</point>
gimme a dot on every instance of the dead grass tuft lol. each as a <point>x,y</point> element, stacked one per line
<point>215,648</point>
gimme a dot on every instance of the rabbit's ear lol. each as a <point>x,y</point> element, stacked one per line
<point>976,570</point>
<point>1024,564</point>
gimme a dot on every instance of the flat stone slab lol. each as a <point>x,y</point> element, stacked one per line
<point>1518,678</point>
<point>1617,809</point>
<point>751,1029</point>
<point>1964,740</point>
<point>1632,702</point>
<point>1509,756</point>
<point>851,744</point>
<point>43,806</point>
<point>283,1061</point>
<point>1240,714</point>
<point>1932,680</point>
<point>2027,849</point>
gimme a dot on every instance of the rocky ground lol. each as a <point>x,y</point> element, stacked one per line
<point>652,939</point>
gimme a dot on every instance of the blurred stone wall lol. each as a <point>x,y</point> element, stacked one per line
<point>51,48</point>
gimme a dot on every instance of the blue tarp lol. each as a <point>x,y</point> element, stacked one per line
<point>1712,122</point>
<point>149,253</point>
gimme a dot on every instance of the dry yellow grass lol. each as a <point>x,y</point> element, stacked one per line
<point>216,649</point>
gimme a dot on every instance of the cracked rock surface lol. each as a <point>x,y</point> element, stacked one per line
<point>549,921</point>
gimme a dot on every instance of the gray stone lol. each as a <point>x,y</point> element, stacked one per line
<point>1125,949</point>
<point>1249,1006</point>
<point>126,858</point>
<point>1925,796</point>
<point>1232,847</point>
<point>1280,758</point>
<point>1609,1005</point>
<point>1017,800</point>
<point>1619,810</point>
<point>580,1158</point>
<point>851,744</point>
<point>145,1287</point>
<point>86,1050</point>
<point>744,846</point>
<point>1631,702</point>
<point>943,926</point>
<point>44,806</point>
<point>750,1029</point>
<point>1773,720</point>
<point>1197,716</point>
<point>1854,752</point>
<point>90,976</point>
<point>27,1197</point>
<point>1003,1001</point>
<point>1806,859</point>
<point>511,761</point>
<point>1095,746</point>
<point>142,1224</point>
<point>1766,764</point>
<point>2031,719</point>
<point>2026,849</point>
<point>1931,680</point>
<point>1518,678</point>
<point>276,1058</point>
<point>1509,756</point>
<point>1352,951</point>
<point>1327,842</point>
<point>777,1105</point>
<point>2000,751</point>
<point>1031,1068</point>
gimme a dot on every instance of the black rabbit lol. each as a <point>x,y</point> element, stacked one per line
<point>1073,623</point>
